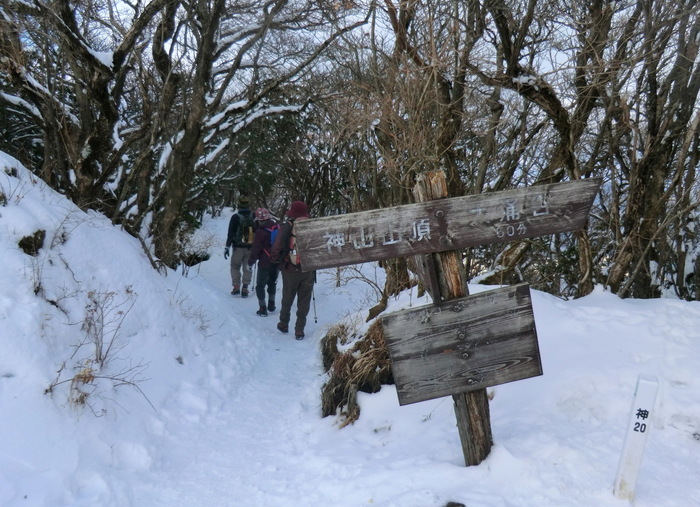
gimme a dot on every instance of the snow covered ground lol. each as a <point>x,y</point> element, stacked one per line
<point>193,400</point>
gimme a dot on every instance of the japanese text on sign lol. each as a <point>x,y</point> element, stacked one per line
<point>420,231</point>
<point>512,223</point>
<point>642,414</point>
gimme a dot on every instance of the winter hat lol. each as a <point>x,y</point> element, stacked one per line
<point>244,202</point>
<point>262,214</point>
<point>297,209</point>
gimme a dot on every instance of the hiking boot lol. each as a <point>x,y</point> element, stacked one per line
<point>262,312</point>
<point>244,291</point>
<point>236,290</point>
<point>299,335</point>
<point>271,306</point>
<point>284,328</point>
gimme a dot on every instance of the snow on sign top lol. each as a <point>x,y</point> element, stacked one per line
<point>445,224</point>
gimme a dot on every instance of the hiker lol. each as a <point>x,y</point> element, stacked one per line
<point>240,237</point>
<point>266,228</point>
<point>295,283</point>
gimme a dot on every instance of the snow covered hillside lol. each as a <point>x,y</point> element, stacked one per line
<point>123,387</point>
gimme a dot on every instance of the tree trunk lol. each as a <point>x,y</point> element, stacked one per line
<point>585,264</point>
<point>190,147</point>
<point>397,280</point>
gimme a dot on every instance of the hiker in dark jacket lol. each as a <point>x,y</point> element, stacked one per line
<point>260,253</point>
<point>295,283</point>
<point>241,251</point>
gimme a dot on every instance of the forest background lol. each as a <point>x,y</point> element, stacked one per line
<point>157,112</point>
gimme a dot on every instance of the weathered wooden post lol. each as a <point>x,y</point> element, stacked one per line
<point>461,344</point>
<point>471,407</point>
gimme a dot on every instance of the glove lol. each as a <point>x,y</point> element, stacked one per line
<point>226,253</point>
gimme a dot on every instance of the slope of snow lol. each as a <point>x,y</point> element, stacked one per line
<point>200,402</point>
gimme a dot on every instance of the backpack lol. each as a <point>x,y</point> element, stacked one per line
<point>246,230</point>
<point>294,257</point>
<point>273,234</point>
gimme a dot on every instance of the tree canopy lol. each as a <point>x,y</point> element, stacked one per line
<point>152,112</point>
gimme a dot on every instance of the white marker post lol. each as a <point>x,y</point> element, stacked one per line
<point>636,436</point>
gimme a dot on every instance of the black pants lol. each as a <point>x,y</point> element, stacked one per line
<point>296,284</point>
<point>266,280</point>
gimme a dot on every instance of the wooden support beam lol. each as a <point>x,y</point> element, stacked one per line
<point>472,407</point>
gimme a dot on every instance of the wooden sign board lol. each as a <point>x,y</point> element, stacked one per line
<point>445,224</point>
<point>464,344</point>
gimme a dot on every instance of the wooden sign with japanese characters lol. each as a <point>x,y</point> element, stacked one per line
<point>459,345</point>
<point>445,224</point>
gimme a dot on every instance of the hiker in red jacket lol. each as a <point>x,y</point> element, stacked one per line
<point>295,283</point>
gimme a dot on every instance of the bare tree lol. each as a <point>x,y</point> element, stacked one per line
<point>136,102</point>
<point>147,110</point>
<point>504,94</point>
<point>66,75</point>
<point>655,159</point>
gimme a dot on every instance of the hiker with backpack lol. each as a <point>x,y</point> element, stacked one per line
<point>295,283</point>
<point>241,229</point>
<point>266,281</point>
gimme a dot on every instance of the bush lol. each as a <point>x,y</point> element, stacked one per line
<point>364,367</point>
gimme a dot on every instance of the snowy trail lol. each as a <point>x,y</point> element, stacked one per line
<point>244,426</point>
<point>254,433</point>
<point>251,433</point>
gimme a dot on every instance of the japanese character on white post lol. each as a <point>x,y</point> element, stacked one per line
<point>636,437</point>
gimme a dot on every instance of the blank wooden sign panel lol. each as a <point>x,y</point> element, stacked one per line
<point>478,341</point>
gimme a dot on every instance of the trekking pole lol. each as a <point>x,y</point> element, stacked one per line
<point>313,297</point>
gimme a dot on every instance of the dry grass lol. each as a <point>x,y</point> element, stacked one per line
<point>364,367</point>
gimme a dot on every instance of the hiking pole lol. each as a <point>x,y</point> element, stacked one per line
<point>313,297</point>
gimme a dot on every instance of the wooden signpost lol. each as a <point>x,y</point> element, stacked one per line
<point>461,344</point>
<point>445,224</point>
